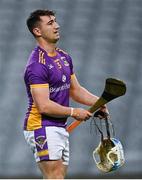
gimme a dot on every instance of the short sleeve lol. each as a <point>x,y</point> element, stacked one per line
<point>68,58</point>
<point>71,65</point>
<point>37,74</point>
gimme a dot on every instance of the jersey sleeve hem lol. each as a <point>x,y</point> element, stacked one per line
<point>39,86</point>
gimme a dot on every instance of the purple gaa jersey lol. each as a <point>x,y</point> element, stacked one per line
<point>45,70</point>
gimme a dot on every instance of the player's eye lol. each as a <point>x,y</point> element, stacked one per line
<point>50,22</point>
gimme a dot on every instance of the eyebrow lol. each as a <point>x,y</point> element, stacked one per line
<point>51,20</point>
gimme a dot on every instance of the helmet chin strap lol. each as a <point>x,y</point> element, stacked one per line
<point>100,131</point>
<point>107,126</point>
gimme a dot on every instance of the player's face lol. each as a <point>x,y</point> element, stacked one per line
<point>49,29</point>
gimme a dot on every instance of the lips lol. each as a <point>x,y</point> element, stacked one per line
<point>56,32</point>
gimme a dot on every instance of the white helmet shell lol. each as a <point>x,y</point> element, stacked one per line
<point>111,155</point>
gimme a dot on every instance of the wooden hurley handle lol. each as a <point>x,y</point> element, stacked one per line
<point>100,102</point>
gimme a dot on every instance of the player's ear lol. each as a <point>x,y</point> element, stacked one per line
<point>37,31</point>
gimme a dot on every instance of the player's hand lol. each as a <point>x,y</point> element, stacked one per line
<point>81,114</point>
<point>102,113</point>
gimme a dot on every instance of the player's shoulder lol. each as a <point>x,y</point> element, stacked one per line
<point>62,52</point>
<point>36,61</point>
<point>37,56</point>
<point>35,69</point>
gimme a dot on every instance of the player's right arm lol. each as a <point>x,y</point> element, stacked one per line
<point>37,76</point>
<point>51,108</point>
<point>46,106</point>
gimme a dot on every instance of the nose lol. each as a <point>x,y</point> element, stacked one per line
<point>57,25</point>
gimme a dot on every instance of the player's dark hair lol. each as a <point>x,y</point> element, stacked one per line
<point>34,18</point>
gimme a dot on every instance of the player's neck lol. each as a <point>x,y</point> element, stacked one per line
<point>48,47</point>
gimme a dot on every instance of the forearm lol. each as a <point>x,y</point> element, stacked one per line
<point>48,107</point>
<point>53,109</point>
<point>83,96</point>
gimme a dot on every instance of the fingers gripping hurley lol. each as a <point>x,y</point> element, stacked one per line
<point>113,88</point>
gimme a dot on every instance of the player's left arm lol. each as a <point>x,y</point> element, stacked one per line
<point>82,95</point>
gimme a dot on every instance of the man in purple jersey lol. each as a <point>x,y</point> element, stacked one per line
<point>50,82</point>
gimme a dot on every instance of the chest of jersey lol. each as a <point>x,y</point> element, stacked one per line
<point>59,71</point>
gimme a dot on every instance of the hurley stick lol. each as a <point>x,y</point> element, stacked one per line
<point>114,88</point>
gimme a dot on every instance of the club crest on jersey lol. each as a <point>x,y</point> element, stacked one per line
<point>40,141</point>
<point>65,61</point>
<point>64,78</point>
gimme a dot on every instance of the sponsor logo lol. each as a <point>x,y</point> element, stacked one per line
<point>60,88</point>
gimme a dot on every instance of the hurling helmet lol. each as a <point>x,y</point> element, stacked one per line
<point>109,154</point>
